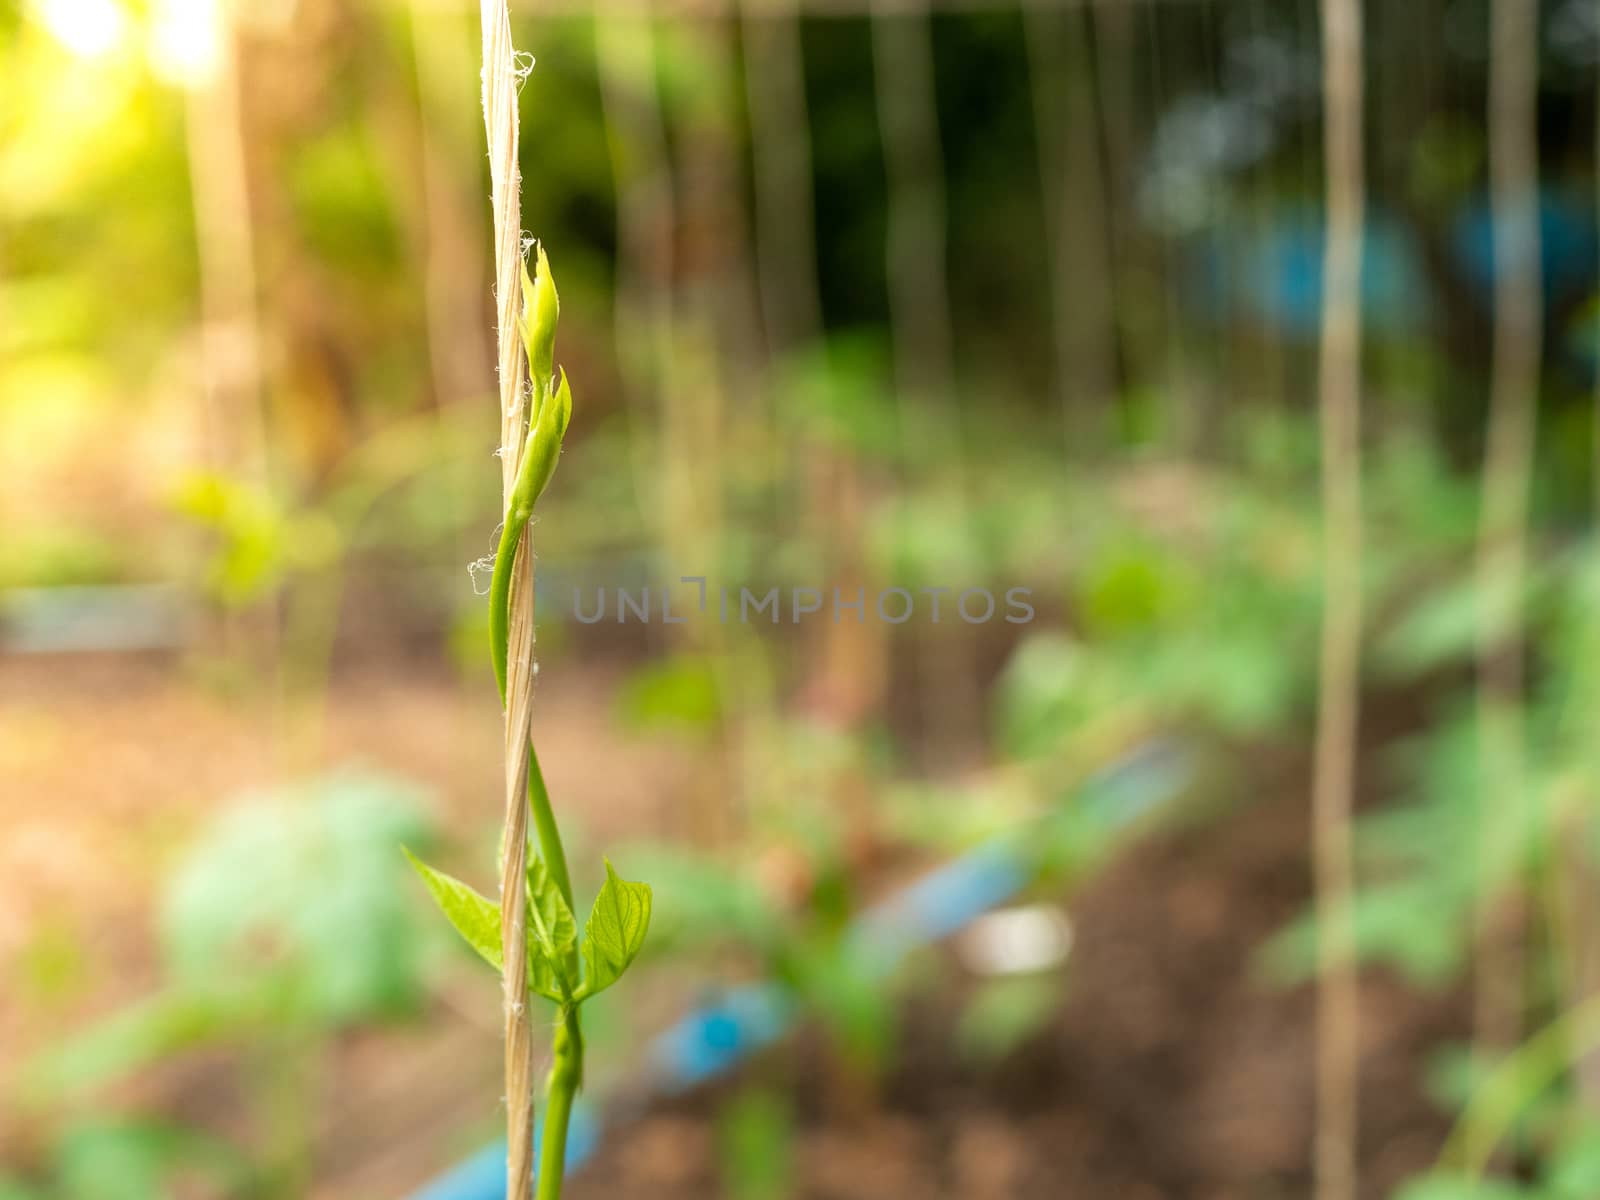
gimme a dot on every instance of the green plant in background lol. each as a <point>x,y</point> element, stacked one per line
<point>284,924</point>
<point>755,1137</point>
<point>562,968</point>
<point>1421,877</point>
<point>136,1160</point>
<point>299,548</point>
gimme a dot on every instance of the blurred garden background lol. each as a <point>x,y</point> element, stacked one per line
<point>932,298</point>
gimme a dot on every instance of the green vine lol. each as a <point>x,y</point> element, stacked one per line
<point>562,968</point>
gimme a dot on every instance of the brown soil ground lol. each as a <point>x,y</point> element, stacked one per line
<point>109,765</point>
<point>1172,1071</point>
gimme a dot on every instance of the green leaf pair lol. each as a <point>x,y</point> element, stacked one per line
<point>611,940</point>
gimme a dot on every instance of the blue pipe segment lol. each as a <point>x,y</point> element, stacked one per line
<point>483,1176</point>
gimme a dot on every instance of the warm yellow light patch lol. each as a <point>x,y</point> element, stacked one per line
<point>186,41</point>
<point>86,29</point>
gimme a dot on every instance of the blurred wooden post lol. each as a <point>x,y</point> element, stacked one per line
<point>1073,187</point>
<point>780,149</point>
<point>1338,701</point>
<point>919,300</point>
<point>791,316</point>
<point>920,323</point>
<point>1502,528</point>
<point>717,405</point>
<point>665,344</point>
<point>229,307</point>
<point>644,316</point>
<point>459,351</point>
<point>1576,882</point>
<point>219,181</point>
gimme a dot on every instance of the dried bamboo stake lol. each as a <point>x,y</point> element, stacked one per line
<point>1583,886</point>
<point>225,241</point>
<point>452,275</point>
<point>453,278</point>
<point>662,349</point>
<point>1575,886</point>
<point>916,237</point>
<point>780,147</point>
<point>1502,527</point>
<point>827,480</point>
<point>1066,120</point>
<point>919,294</point>
<point>230,319</point>
<point>500,125</point>
<point>1338,702</point>
<point>785,238</point>
<point>644,317</point>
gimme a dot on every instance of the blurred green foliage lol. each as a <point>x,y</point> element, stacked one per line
<point>303,885</point>
<point>754,1136</point>
<point>290,919</point>
<point>136,1160</point>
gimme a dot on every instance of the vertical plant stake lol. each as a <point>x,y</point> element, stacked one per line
<point>531,935</point>
<point>1339,668</point>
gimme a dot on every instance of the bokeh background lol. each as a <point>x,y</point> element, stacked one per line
<point>956,294</point>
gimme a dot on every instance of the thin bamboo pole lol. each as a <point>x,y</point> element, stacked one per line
<point>665,351</point>
<point>644,315</point>
<point>453,281</point>
<point>500,125</point>
<point>1135,326</point>
<point>1083,333</point>
<point>919,299</point>
<point>920,323</point>
<point>1502,528</point>
<point>226,244</point>
<point>780,147</point>
<point>790,288</point>
<point>1576,888</point>
<point>1338,702</point>
<point>1585,930</point>
<point>230,316</point>
<point>458,350</point>
<point>787,276</point>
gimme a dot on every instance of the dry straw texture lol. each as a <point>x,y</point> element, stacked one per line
<point>500,80</point>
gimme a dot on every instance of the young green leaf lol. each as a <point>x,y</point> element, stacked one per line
<point>614,932</point>
<point>545,975</point>
<point>542,449</point>
<point>552,937</point>
<point>476,917</point>
<point>552,970</point>
<point>541,307</point>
